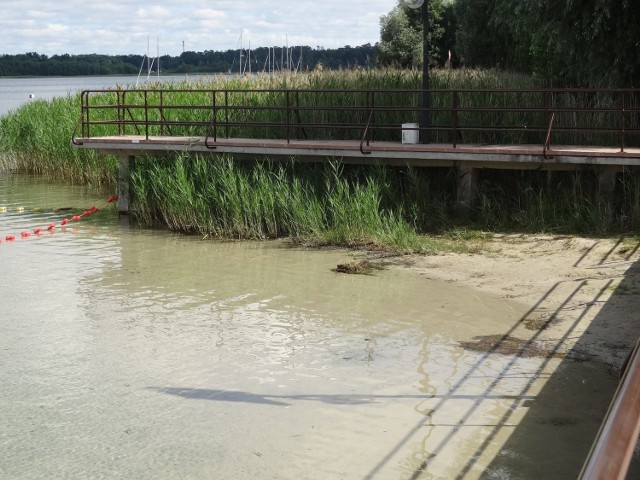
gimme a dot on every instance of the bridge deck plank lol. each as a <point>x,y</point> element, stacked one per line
<point>434,154</point>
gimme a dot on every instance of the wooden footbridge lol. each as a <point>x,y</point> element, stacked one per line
<point>545,129</point>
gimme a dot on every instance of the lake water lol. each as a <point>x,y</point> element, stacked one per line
<point>15,92</point>
<point>129,353</point>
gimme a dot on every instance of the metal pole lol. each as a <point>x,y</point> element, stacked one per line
<point>424,131</point>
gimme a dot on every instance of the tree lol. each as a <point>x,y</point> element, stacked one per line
<point>401,34</point>
<point>564,42</point>
<point>587,43</point>
<point>400,41</point>
<point>476,41</point>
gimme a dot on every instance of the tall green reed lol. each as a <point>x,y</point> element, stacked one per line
<point>551,202</point>
<point>36,138</point>
<point>224,198</point>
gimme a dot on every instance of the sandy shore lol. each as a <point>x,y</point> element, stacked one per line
<point>582,292</point>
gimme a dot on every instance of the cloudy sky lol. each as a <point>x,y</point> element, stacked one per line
<point>123,26</point>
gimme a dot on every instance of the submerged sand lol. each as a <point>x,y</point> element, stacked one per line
<point>582,292</point>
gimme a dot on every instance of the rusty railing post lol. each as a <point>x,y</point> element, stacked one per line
<point>372,105</point>
<point>88,116</point>
<point>550,117</point>
<point>288,115</point>
<point>214,116</point>
<point>454,113</point>
<point>613,447</point>
<point>226,113</point>
<point>622,123</point>
<point>119,111</point>
<point>366,134</point>
<point>146,114</point>
<point>548,100</point>
<point>85,114</point>
<point>161,113</point>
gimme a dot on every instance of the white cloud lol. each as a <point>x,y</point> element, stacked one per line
<point>210,14</point>
<point>56,29</point>
<point>122,27</point>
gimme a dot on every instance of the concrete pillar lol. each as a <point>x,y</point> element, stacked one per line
<point>467,186</point>
<point>126,162</point>
<point>607,177</point>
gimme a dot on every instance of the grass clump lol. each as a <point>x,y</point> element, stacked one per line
<point>375,207</point>
<point>227,199</point>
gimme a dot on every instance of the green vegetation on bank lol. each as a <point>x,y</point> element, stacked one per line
<point>320,203</point>
<point>369,205</point>
<point>36,139</point>
<point>326,203</point>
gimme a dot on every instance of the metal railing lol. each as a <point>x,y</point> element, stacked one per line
<point>498,116</point>
<point>614,445</point>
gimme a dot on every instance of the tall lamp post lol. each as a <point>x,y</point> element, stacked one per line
<point>415,4</point>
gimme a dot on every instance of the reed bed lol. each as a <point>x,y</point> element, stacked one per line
<point>368,205</point>
<point>36,139</point>
<point>227,199</point>
<point>335,105</point>
<point>331,203</point>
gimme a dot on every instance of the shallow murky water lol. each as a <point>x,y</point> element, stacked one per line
<point>135,354</point>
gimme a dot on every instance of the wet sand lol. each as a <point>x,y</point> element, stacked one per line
<point>582,292</point>
<point>583,298</point>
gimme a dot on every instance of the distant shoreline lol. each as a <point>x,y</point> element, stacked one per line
<point>295,58</point>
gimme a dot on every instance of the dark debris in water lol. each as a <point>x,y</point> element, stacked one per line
<point>362,267</point>
<point>508,345</point>
<point>541,322</point>
<point>560,421</point>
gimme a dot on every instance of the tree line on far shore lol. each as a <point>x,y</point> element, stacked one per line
<point>300,58</point>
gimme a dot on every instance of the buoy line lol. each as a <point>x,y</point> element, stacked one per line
<point>52,226</point>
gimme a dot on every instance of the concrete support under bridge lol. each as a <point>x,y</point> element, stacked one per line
<point>124,188</point>
<point>469,160</point>
<point>468,186</point>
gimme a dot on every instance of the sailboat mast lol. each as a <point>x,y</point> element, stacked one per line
<point>148,58</point>
<point>249,58</point>
<point>241,55</point>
